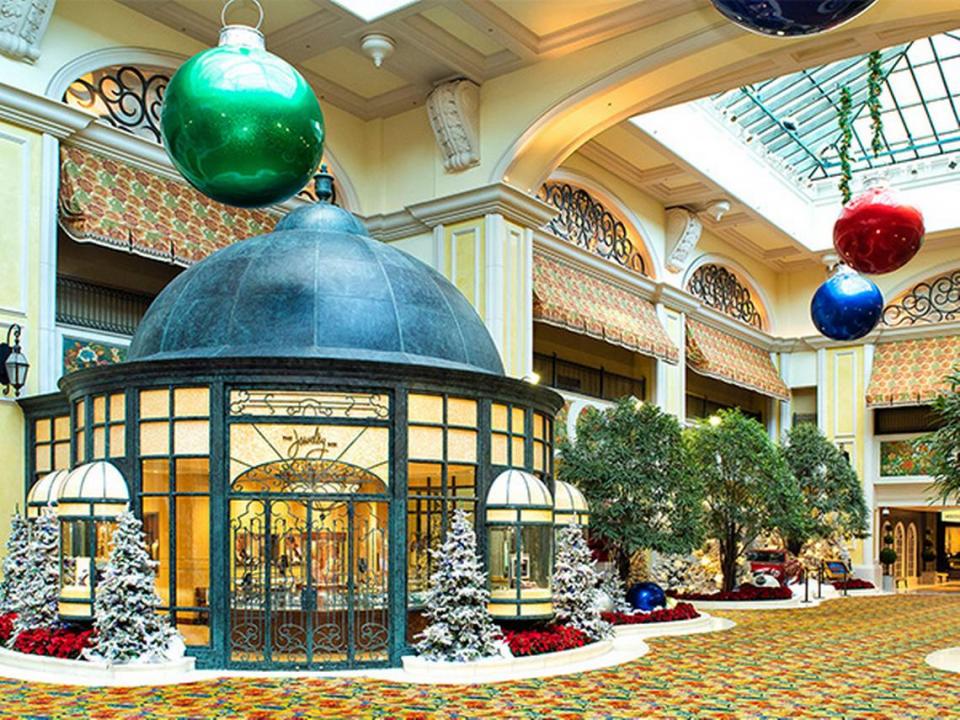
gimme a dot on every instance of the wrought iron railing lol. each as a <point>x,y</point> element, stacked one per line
<point>97,307</point>
<point>127,97</point>
<point>720,289</point>
<point>585,221</point>
<point>594,382</point>
<point>927,302</point>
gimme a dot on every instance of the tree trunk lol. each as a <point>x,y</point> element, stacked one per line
<point>623,564</point>
<point>795,547</point>
<point>728,561</point>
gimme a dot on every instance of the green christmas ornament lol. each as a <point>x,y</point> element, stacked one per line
<point>241,124</point>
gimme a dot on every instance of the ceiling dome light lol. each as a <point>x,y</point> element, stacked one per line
<point>378,47</point>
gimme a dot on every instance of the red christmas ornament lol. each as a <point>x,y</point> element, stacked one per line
<point>877,233</point>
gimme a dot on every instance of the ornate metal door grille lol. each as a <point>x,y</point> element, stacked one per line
<point>313,590</point>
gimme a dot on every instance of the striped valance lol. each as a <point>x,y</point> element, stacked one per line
<point>718,354</point>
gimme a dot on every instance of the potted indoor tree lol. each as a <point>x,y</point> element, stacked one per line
<point>888,556</point>
<point>929,555</point>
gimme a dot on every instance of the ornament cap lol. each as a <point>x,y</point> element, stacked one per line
<point>241,36</point>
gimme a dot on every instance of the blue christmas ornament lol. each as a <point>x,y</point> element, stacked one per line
<point>646,596</point>
<point>784,18</point>
<point>847,306</point>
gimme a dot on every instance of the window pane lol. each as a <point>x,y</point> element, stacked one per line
<point>154,438</point>
<point>99,409</point>
<point>424,479</point>
<point>517,459</point>
<point>498,450</point>
<point>191,401</point>
<point>462,445</point>
<point>425,443</point>
<point>41,458</point>
<point>81,446</point>
<point>461,411</point>
<point>538,426</point>
<point>193,475</point>
<point>155,476</point>
<point>117,441</point>
<point>517,423</point>
<point>61,428</point>
<point>99,443</point>
<point>194,625</point>
<point>193,549</point>
<point>191,437</point>
<point>425,408</point>
<point>61,456</point>
<point>538,455</point>
<point>42,430</point>
<point>154,403</point>
<point>79,409</point>
<point>537,553</point>
<point>156,530</point>
<point>498,416</point>
<point>118,408</point>
<point>462,481</point>
<point>502,547</point>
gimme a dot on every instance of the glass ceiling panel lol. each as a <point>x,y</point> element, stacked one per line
<point>794,117</point>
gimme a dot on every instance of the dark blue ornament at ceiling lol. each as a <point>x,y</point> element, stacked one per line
<point>785,18</point>
<point>847,306</point>
<point>646,596</point>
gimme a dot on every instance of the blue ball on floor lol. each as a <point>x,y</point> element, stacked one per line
<point>646,596</point>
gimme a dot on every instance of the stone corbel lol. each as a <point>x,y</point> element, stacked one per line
<point>22,24</point>
<point>454,112</point>
<point>683,233</point>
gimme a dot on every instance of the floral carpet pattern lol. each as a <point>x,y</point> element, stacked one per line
<point>850,658</point>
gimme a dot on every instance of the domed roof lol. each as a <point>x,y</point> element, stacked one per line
<point>316,287</point>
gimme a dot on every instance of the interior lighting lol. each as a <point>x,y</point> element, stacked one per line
<point>715,420</point>
<point>13,363</point>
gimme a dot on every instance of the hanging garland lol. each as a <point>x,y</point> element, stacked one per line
<point>874,88</point>
<point>846,138</point>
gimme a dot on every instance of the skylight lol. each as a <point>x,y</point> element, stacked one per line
<point>370,10</point>
<point>793,119</point>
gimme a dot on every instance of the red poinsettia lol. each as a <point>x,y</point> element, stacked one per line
<point>683,611</point>
<point>553,638</point>
<point>62,642</point>
<point>6,626</point>
<point>745,593</point>
<point>853,584</point>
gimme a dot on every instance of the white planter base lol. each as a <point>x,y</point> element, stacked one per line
<point>948,660</point>
<point>794,603</point>
<point>38,668</point>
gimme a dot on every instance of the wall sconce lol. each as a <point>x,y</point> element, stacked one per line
<point>13,363</point>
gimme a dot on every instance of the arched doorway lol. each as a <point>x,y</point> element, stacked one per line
<point>308,580</point>
<point>899,545</point>
<point>911,551</point>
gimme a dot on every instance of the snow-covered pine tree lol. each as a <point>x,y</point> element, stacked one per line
<point>37,605</point>
<point>609,583</point>
<point>14,563</point>
<point>125,610</point>
<point>460,629</point>
<point>574,582</point>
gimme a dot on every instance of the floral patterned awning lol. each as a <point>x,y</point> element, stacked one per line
<point>577,301</point>
<point>911,372</point>
<point>112,203</point>
<point>720,355</point>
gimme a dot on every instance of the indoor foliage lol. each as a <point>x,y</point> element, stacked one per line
<point>37,606</point>
<point>59,642</point>
<point>747,592</point>
<point>748,487</point>
<point>14,563</point>
<point>553,638</point>
<point>630,463</point>
<point>125,609</point>
<point>460,629</point>
<point>942,445</point>
<point>574,585</point>
<point>681,611</point>
<point>833,504</point>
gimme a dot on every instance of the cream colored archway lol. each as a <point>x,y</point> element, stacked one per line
<point>688,56</point>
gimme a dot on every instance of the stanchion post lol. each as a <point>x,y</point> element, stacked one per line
<point>845,581</point>
<point>820,581</point>
<point>806,586</point>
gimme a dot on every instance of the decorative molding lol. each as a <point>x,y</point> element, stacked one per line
<point>683,230</point>
<point>22,25</point>
<point>23,144</point>
<point>454,112</point>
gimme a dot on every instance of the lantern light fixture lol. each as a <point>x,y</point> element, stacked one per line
<point>13,363</point>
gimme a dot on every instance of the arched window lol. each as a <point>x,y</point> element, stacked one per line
<point>934,300</point>
<point>899,545</point>
<point>722,289</point>
<point>911,560</point>
<point>585,221</point>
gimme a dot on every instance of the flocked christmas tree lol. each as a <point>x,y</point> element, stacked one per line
<point>610,585</point>
<point>37,604</point>
<point>129,628</point>
<point>460,629</point>
<point>575,579</point>
<point>14,563</point>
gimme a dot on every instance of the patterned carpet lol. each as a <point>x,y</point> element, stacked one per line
<point>853,658</point>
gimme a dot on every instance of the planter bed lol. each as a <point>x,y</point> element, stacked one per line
<point>85,672</point>
<point>703,623</point>
<point>682,611</point>
<point>854,584</point>
<point>745,593</point>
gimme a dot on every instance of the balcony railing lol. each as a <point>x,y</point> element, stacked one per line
<point>586,380</point>
<point>99,308</point>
